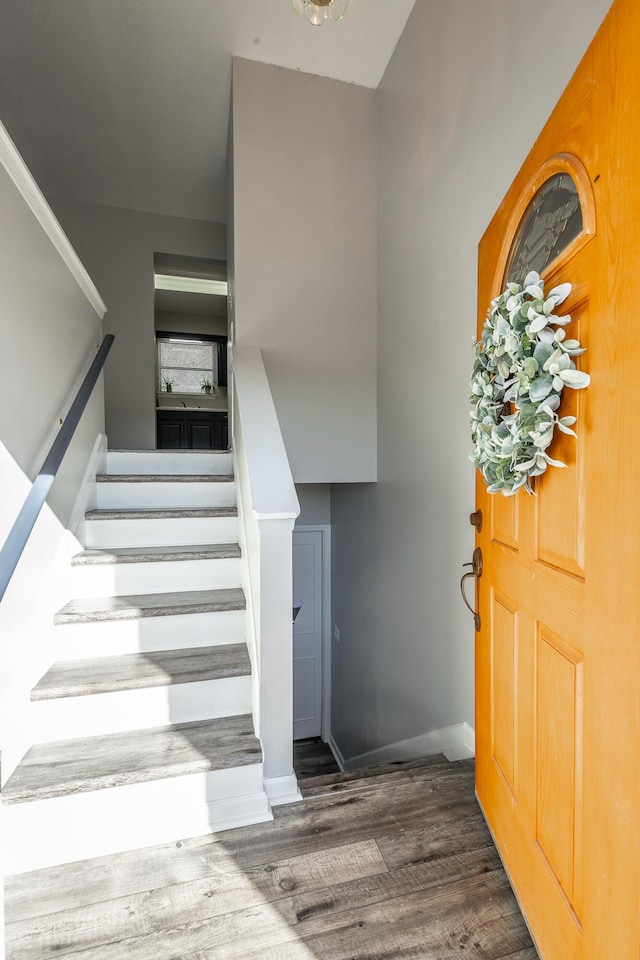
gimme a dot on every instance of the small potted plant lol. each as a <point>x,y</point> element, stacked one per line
<point>168,384</point>
<point>206,386</point>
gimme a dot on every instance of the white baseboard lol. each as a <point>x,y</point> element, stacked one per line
<point>85,499</point>
<point>337,753</point>
<point>282,790</point>
<point>470,738</point>
<point>456,743</point>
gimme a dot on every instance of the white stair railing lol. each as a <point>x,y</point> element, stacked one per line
<point>267,508</point>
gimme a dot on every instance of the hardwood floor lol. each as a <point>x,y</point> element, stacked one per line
<point>392,862</point>
<point>312,757</point>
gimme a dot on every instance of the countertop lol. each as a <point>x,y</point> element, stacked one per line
<point>205,403</point>
<point>207,409</point>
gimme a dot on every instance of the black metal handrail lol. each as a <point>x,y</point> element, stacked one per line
<point>25,521</point>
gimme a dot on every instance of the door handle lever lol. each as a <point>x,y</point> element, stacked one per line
<point>475,573</point>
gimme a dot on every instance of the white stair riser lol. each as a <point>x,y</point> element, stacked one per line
<point>121,579</point>
<point>112,495</point>
<point>94,824</point>
<point>168,461</point>
<point>160,532</point>
<point>77,641</point>
<point>98,713</point>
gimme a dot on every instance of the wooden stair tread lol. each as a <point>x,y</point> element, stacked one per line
<point>161,513</point>
<point>76,678</point>
<point>205,551</point>
<point>164,478</point>
<point>96,609</point>
<point>136,756</point>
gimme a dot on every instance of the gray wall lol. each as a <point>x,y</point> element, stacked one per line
<point>459,107</point>
<point>48,334</point>
<point>190,323</point>
<point>304,210</point>
<point>315,504</point>
<point>117,248</point>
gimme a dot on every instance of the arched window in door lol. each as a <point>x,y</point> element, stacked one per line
<point>550,223</point>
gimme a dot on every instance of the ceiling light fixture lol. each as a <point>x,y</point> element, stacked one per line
<point>317,11</point>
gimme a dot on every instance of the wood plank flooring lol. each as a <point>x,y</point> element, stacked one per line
<point>395,864</point>
<point>312,758</point>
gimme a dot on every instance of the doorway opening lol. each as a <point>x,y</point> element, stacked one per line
<point>191,338</point>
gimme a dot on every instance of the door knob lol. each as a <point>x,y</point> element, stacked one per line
<point>475,573</point>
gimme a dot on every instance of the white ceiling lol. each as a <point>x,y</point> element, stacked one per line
<point>126,102</point>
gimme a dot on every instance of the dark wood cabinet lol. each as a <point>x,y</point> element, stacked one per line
<point>169,430</point>
<point>192,430</point>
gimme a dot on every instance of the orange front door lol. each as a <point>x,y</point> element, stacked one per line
<point>558,652</point>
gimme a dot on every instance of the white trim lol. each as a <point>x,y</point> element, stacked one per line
<point>325,530</point>
<point>454,742</point>
<point>22,178</point>
<point>282,790</point>
<point>469,735</point>
<point>337,753</point>
<point>86,496</point>
<point>218,288</point>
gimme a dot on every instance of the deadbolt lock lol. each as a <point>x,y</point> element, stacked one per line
<point>476,520</point>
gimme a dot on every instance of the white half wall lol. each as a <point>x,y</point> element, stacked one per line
<point>118,247</point>
<point>460,105</point>
<point>303,209</point>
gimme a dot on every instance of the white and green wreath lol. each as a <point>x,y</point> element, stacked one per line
<point>522,363</point>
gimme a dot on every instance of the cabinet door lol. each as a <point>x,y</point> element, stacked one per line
<point>170,431</point>
<point>200,434</point>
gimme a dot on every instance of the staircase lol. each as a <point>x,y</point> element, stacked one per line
<point>146,733</point>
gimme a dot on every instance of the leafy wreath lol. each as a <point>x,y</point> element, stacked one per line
<point>521,366</point>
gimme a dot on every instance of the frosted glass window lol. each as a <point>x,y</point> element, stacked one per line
<point>186,364</point>
<point>551,221</point>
